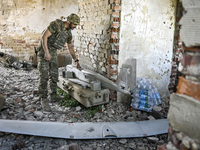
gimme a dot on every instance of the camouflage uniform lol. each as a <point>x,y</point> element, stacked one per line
<point>49,69</point>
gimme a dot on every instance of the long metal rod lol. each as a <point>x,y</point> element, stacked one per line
<point>86,130</point>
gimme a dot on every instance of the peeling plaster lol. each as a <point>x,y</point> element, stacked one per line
<point>26,19</point>
<point>146,34</point>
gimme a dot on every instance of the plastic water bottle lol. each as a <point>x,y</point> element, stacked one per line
<point>157,95</point>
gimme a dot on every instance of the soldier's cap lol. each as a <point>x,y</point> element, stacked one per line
<point>74,18</point>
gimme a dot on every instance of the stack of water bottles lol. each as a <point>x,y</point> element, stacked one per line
<point>145,95</point>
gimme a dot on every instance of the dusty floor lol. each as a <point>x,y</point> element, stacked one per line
<point>19,88</point>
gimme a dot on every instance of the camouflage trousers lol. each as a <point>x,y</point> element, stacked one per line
<point>48,73</point>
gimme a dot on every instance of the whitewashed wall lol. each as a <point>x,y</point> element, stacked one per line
<point>146,34</point>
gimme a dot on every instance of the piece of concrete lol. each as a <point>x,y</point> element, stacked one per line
<point>2,101</point>
<point>126,80</point>
<point>184,115</point>
<point>95,86</point>
<point>190,25</point>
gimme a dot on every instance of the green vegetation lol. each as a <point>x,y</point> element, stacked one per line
<point>92,111</point>
<point>68,101</point>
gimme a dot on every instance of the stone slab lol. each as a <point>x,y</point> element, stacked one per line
<point>184,115</point>
<point>190,27</point>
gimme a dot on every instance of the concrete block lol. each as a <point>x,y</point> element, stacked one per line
<point>184,115</point>
<point>69,74</point>
<point>190,27</point>
<point>95,86</point>
<point>126,79</point>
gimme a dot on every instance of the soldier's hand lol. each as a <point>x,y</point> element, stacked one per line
<point>78,65</point>
<point>47,56</point>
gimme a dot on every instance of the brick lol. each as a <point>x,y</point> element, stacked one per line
<point>117,2</point>
<point>117,48</point>
<point>114,36</point>
<point>114,41</point>
<point>114,72</point>
<point>115,24</point>
<point>115,29</point>
<point>113,61</point>
<point>115,14</point>
<point>112,96</point>
<point>162,147</point>
<point>116,19</point>
<point>116,8</point>
<point>114,52</point>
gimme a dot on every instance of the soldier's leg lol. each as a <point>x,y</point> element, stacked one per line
<point>53,78</point>
<point>53,72</point>
<point>43,67</point>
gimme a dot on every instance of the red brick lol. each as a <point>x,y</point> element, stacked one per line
<point>114,40</point>
<point>115,24</point>
<point>113,61</point>
<point>114,36</point>
<point>117,47</point>
<point>114,72</point>
<point>116,19</point>
<point>115,29</point>
<point>115,14</point>
<point>162,147</point>
<point>117,2</point>
<point>112,91</point>
<point>113,96</point>
<point>116,8</point>
<point>19,41</point>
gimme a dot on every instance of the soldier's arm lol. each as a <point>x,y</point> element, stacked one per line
<point>72,53</point>
<point>45,36</point>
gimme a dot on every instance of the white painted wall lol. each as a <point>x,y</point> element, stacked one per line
<point>146,34</point>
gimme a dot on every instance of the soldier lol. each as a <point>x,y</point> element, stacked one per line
<point>54,38</point>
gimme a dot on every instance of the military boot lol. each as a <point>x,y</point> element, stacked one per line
<point>45,104</point>
<point>54,97</point>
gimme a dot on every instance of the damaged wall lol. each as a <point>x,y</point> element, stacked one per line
<point>92,40</point>
<point>22,22</point>
<point>147,33</point>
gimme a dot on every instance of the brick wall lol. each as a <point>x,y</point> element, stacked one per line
<point>177,50</point>
<point>97,39</point>
<point>19,47</point>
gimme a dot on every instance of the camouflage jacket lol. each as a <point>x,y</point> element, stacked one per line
<point>60,35</point>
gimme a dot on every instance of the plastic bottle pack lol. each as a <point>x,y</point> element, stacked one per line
<point>145,95</point>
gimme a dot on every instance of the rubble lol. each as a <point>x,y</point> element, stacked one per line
<point>15,62</point>
<point>19,88</point>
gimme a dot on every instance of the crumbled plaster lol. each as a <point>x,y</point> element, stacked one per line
<point>147,30</point>
<point>23,21</point>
